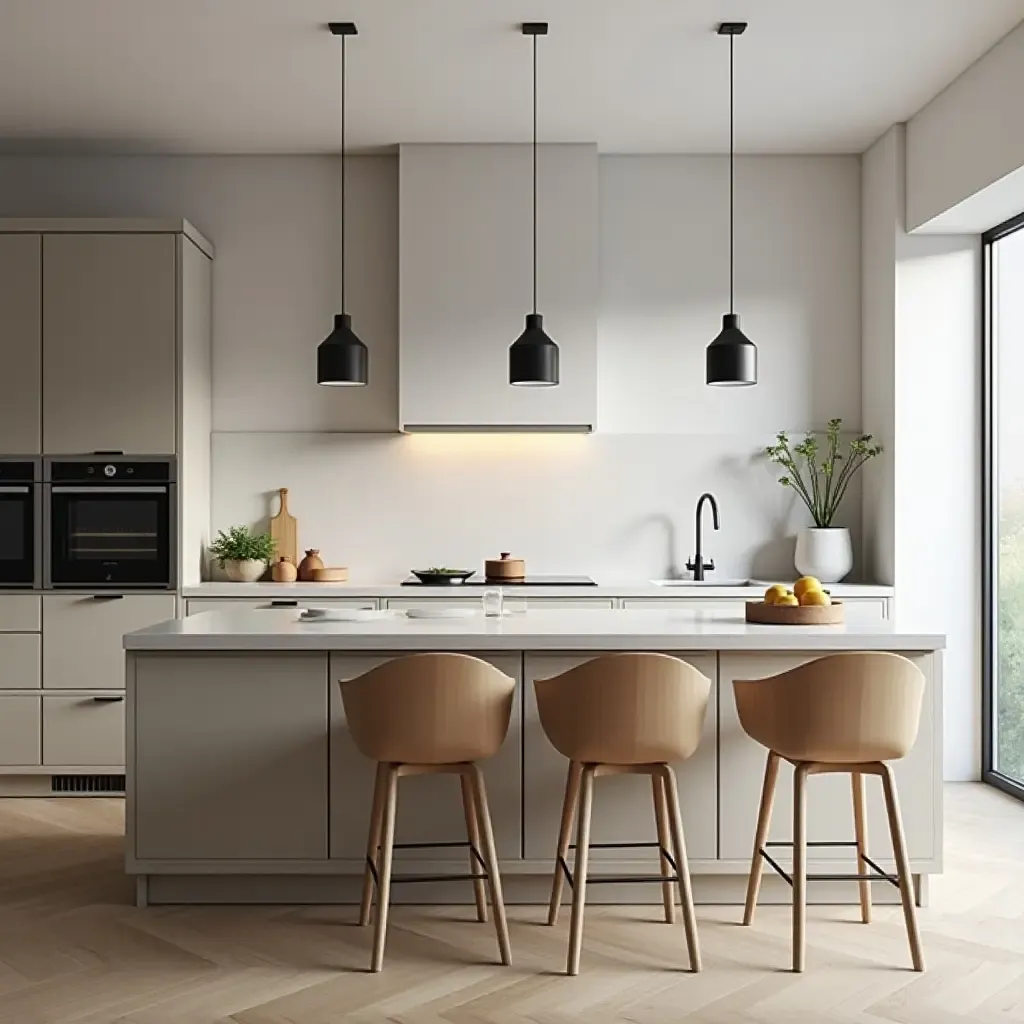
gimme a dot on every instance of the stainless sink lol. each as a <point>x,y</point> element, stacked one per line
<point>701,583</point>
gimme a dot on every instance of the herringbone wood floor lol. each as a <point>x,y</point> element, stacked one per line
<point>73,948</point>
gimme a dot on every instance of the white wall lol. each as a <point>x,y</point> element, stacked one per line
<point>921,390</point>
<point>970,137</point>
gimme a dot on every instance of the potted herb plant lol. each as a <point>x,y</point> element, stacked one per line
<point>822,550</point>
<point>242,554</point>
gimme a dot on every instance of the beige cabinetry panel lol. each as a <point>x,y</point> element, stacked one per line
<point>19,731</point>
<point>231,756</point>
<point>512,601</point>
<point>20,613</point>
<point>83,731</point>
<point>859,610</point>
<point>82,636</point>
<point>21,338</point>
<point>429,806</point>
<point>623,809</point>
<point>110,323</point>
<point>830,809</point>
<point>227,604</point>
<point>20,661</point>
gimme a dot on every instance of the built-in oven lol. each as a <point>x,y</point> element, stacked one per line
<point>109,521</point>
<point>20,522</point>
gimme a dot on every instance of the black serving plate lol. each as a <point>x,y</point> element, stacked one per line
<point>442,578</point>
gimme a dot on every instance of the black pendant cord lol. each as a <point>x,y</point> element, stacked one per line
<point>344,218</point>
<point>732,177</point>
<point>535,174</point>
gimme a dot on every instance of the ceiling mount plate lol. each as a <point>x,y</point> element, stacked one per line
<point>732,28</point>
<point>343,28</point>
<point>535,28</point>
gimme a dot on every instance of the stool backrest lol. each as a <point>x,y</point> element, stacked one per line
<point>844,708</point>
<point>429,709</point>
<point>625,709</point>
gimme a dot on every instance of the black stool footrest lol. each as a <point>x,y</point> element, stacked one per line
<point>877,873</point>
<point>476,876</point>
<point>618,879</point>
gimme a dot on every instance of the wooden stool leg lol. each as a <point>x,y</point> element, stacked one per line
<point>473,835</point>
<point>764,820</point>
<point>668,777</point>
<point>483,812</point>
<point>668,895</point>
<point>572,792</point>
<point>899,849</point>
<point>799,863</point>
<point>860,826</point>
<point>579,888</point>
<point>387,843</point>
<point>373,843</point>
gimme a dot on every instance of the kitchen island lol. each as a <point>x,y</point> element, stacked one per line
<point>243,783</point>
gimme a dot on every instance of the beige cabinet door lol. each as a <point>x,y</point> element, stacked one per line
<point>429,806</point>
<point>623,806</point>
<point>83,731</point>
<point>21,334</point>
<point>109,316</point>
<point>231,756</point>
<point>19,731</point>
<point>82,636</point>
<point>20,613</point>
<point>20,661</point>
<point>830,808</point>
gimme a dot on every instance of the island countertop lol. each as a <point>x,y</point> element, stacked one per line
<point>558,629</point>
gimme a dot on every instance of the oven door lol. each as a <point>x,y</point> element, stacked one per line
<point>18,535</point>
<point>110,536</point>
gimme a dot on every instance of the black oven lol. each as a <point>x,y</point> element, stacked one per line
<point>20,523</point>
<point>110,522</point>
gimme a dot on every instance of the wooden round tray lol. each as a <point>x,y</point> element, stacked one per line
<point>785,615</point>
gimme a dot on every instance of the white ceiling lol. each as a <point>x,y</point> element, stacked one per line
<point>261,76</point>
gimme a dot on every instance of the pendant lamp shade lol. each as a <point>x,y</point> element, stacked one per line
<point>731,359</point>
<point>533,357</point>
<point>342,360</point>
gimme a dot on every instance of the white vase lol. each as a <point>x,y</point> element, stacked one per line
<point>826,553</point>
<point>246,570</point>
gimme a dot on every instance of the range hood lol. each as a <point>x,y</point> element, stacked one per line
<point>465,240</point>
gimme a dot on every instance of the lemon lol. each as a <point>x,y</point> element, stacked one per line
<point>787,601</point>
<point>773,593</point>
<point>804,584</point>
<point>815,597</point>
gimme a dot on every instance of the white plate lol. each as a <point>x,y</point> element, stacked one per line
<point>341,614</point>
<point>441,613</point>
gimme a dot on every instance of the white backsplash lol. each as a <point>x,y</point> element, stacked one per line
<point>615,505</point>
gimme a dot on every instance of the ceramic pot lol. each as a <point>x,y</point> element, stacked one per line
<point>309,563</point>
<point>826,553</point>
<point>284,570</point>
<point>246,570</point>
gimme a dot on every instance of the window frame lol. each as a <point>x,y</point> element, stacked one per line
<point>989,526</point>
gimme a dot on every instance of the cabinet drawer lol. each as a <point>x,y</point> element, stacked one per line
<point>80,731</point>
<point>19,730</point>
<point>20,661</point>
<point>20,614</point>
<point>228,604</point>
<point>82,636</point>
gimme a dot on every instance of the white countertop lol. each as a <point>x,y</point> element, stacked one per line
<point>664,629</point>
<point>604,589</point>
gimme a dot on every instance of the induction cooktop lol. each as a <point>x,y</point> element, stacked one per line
<point>528,581</point>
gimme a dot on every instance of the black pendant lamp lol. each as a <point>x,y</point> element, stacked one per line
<point>731,359</point>
<point>341,358</point>
<point>533,357</point>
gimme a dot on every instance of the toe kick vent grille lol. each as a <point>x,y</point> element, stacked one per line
<point>86,783</point>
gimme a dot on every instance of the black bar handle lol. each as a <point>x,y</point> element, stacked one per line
<point>108,700</point>
<point>108,597</point>
<point>108,451</point>
<point>284,604</point>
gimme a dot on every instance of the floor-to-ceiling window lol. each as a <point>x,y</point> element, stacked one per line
<point>1003,461</point>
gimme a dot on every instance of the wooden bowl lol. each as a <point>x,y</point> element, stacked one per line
<point>801,615</point>
<point>338,574</point>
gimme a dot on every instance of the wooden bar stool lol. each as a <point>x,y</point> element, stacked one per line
<point>843,713</point>
<point>624,714</point>
<point>422,714</point>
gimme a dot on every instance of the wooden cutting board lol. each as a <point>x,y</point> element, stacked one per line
<point>284,530</point>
